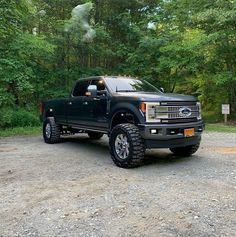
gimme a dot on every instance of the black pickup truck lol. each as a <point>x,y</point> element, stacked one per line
<point>133,113</point>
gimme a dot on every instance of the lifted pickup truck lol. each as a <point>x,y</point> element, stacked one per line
<point>133,113</point>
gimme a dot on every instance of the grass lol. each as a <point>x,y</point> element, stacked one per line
<point>31,131</point>
<point>19,131</point>
<point>219,127</point>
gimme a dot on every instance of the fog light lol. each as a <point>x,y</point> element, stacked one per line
<point>154,131</point>
<point>200,129</point>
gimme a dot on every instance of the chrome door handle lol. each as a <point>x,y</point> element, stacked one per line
<point>85,103</point>
<point>96,99</point>
<point>70,103</point>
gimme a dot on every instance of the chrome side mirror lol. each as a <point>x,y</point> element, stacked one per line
<point>93,90</point>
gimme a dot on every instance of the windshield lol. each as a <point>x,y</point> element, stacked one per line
<point>129,85</point>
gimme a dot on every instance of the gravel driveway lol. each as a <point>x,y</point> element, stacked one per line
<point>73,189</point>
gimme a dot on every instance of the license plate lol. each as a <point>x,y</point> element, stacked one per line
<point>189,132</point>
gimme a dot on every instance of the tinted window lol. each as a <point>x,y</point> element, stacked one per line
<point>99,83</point>
<point>81,88</point>
<point>130,85</point>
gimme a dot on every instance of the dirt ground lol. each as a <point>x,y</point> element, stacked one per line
<point>73,189</point>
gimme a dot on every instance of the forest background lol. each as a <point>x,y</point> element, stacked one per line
<point>183,46</point>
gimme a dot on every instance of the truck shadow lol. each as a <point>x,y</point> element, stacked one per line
<point>100,148</point>
<point>164,156</point>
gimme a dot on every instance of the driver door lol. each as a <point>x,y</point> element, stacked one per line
<point>96,109</point>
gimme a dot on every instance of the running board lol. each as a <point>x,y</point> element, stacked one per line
<point>79,127</point>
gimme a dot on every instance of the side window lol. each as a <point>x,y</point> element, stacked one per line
<point>81,88</point>
<point>100,84</point>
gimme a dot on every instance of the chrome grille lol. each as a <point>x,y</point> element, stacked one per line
<point>171,113</point>
<point>177,108</point>
<point>176,115</point>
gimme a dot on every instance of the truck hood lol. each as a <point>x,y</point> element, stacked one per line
<point>151,96</point>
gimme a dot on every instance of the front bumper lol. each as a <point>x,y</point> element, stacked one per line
<point>170,135</point>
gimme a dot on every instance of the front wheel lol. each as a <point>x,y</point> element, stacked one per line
<point>126,146</point>
<point>185,151</point>
<point>51,131</point>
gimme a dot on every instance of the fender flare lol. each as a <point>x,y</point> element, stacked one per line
<point>48,113</point>
<point>126,108</point>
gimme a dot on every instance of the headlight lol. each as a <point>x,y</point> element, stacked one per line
<point>154,112</point>
<point>199,117</point>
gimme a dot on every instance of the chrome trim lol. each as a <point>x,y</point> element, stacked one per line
<point>48,130</point>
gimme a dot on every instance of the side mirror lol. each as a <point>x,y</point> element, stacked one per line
<point>162,90</point>
<point>92,90</point>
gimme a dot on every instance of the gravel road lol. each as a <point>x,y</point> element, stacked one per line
<point>73,189</point>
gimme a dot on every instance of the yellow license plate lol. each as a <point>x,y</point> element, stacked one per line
<point>189,132</point>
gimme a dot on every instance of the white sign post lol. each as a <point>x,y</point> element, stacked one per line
<point>225,111</point>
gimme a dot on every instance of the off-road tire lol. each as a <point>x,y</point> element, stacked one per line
<point>55,131</point>
<point>185,151</point>
<point>136,143</point>
<point>95,135</point>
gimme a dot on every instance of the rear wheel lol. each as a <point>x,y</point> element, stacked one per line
<point>126,146</point>
<point>185,151</point>
<point>95,135</point>
<point>51,131</point>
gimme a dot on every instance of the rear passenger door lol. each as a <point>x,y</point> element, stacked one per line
<point>75,105</point>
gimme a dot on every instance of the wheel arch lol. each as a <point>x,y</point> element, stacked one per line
<point>48,113</point>
<point>125,114</point>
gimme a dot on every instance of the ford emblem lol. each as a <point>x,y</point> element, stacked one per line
<point>185,112</point>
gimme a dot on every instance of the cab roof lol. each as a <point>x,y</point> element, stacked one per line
<point>104,77</point>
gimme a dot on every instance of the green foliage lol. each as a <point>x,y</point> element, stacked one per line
<point>217,127</point>
<point>29,131</point>
<point>190,49</point>
<point>18,117</point>
<point>211,117</point>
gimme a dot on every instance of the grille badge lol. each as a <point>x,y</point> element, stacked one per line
<point>185,112</point>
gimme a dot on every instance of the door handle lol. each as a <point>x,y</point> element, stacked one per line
<point>85,103</point>
<point>70,103</point>
<point>96,99</point>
